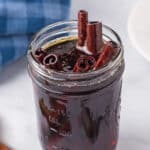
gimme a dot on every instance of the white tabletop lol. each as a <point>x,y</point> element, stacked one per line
<point>17,110</point>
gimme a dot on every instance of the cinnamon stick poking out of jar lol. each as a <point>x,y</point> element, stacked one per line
<point>94,36</point>
<point>105,56</point>
<point>82,23</point>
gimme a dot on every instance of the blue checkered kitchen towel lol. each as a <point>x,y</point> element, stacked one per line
<point>20,19</point>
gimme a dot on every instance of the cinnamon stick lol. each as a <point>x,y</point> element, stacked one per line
<point>81,65</point>
<point>105,56</point>
<point>39,55</point>
<point>52,61</point>
<point>94,36</point>
<point>82,23</point>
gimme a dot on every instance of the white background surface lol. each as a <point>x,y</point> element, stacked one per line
<point>17,112</point>
<point>139,28</point>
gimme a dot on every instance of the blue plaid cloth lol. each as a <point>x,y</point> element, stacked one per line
<point>20,19</point>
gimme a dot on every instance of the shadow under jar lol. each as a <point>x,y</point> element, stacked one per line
<point>76,111</point>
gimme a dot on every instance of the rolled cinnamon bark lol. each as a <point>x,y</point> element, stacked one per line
<point>52,61</point>
<point>39,55</point>
<point>81,65</point>
<point>82,24</point>
<point>94,36</point>
<point>105,56</point>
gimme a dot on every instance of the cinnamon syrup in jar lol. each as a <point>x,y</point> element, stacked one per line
<point>77,94</point>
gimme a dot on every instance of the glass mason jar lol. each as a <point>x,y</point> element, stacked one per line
<point>76,111</point>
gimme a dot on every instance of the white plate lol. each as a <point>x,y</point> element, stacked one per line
<point>139,27</point>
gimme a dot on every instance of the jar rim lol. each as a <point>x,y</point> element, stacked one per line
<point>55,75</point>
